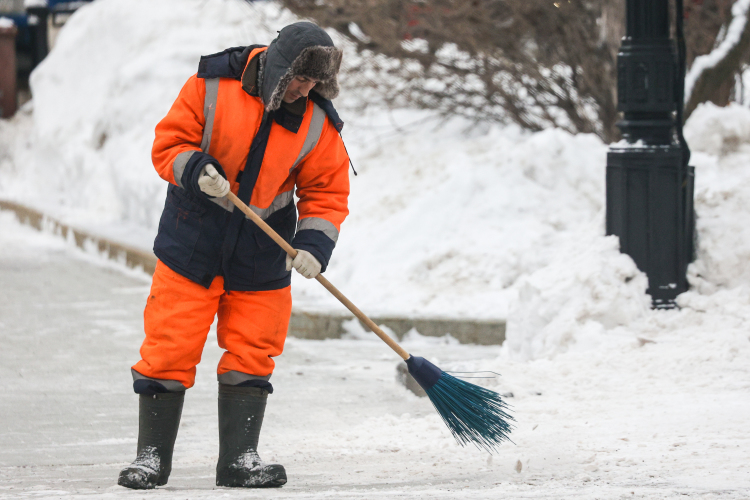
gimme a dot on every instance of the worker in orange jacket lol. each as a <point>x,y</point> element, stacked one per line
<point>257,121</point>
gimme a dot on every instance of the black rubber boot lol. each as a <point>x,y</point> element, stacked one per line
<point>241,412</point>
<point>159,418</point>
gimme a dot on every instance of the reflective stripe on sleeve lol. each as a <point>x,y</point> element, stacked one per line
<point>319,224</point>
<point>313,134</point>
<point>209,110</point>
<point>178,166</point>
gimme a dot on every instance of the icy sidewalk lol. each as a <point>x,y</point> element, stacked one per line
<point>663,419</point>
<point>71,328</point>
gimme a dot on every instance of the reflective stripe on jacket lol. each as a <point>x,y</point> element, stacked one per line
<point>214,120</point>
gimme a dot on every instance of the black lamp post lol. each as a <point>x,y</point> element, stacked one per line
<point>649,184</point>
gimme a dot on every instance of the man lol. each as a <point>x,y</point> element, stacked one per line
<point>257,121</point>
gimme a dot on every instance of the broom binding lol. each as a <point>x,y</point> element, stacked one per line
<point>425,373</point>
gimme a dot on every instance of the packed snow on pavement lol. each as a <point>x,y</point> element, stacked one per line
<point>612,399</point>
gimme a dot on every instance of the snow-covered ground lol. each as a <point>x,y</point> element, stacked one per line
<point>612,399</point>
<point>661,414</point>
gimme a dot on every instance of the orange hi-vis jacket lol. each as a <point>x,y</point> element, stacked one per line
<point>219,118</point>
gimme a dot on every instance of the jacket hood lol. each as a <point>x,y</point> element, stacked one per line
<point>301,49</point>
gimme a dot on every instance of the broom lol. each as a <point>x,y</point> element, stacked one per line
<point>473,414</point>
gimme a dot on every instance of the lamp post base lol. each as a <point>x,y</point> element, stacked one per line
<point>649,207</point>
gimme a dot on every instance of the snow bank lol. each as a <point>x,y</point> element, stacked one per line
<point>443,224</point>
<point>578,301</point>
<point>718,131</point>
<point>571,304</point>
<point>96,104</point>
<point>720,139</point>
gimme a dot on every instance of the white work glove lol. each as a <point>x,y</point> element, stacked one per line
<point>305,264</point>
<point>212,183</point>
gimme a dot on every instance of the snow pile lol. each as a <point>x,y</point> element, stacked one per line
<point>579,300</point>
<point>718,131</point>
<point>589,289</point>
<point>720,139</point>
<point>443,224</point>
<point>96,104</point>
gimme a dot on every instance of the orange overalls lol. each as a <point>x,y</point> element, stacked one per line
<point>215,120</point>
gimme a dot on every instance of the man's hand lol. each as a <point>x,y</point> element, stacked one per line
<point>305,264</point>
<point>212,183</point>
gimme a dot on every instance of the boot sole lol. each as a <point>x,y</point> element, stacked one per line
<point>275,477</point>
<point>135,482</point>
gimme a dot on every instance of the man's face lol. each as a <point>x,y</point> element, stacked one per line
<point>300,86</point>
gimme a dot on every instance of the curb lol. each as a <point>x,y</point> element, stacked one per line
<point>132,257</point>
<point>317,326</point>
<point>305,325</point>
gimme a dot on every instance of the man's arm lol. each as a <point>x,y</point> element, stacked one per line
<point>323,191</point>
<point>176,153</point>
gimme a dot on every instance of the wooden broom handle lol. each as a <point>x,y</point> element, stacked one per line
<point>321,279</point>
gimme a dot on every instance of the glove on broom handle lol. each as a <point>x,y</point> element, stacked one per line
<point>321,279</point>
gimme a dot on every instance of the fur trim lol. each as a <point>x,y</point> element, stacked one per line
<point>279,91</point>
<point>317,62</point>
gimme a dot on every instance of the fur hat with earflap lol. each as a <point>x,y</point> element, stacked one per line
<point>301,49</point>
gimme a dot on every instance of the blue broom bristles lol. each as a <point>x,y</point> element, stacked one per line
<point>473,414</point>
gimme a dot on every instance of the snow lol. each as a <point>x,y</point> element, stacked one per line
<point>448,219</point>
<point>357,32</point>
<point>722,196</point>
<point>463,215</point>
<point>571,304</point>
